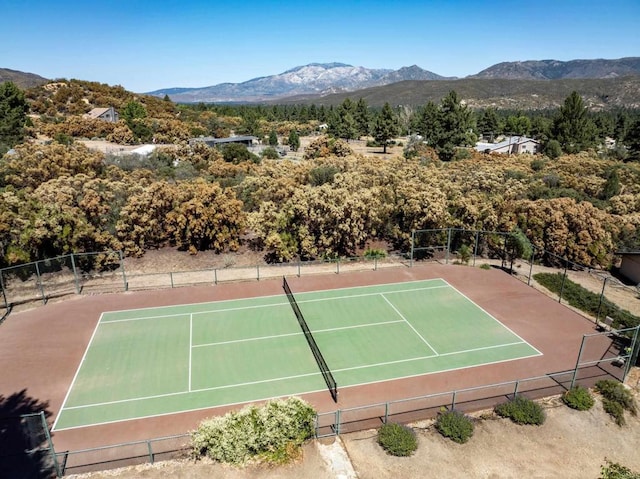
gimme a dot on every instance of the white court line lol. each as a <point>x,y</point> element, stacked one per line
<point>270,296</point>
<point>258,306</point>
<point>75,376</point>
<point>493,317</point>
<point>410,325</point>
<point>284,335</point>
<point>190,347</point>
<point>215,388</point>
<point>284,378</point>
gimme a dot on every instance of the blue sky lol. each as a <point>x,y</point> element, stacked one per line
<point>147,45</point>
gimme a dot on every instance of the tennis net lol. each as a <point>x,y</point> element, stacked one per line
<point>324,369</point>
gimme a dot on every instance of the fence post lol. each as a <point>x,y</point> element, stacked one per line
<point>150,451</point>
<point>75,273</point>
<point>475,247</point>
<point>533,255</point>
<point>375,263</point>
<point>575,371</point>
<point>386,412</point>
<point>215,276</point>
<point>337,422</point>
<point>604,284</point>
<point>4,295</point>
<point>446,261</point>
<point>633,355</point>
<point>564,278</point>
<point>171,278</point>
<point>338,265</point>
<point>413,238</point>
<point>44,299</point>
<point>124,274</point>
<point>258,272</point>
<point>453,400</point>
<point>50,443</point>
<point>515,390</point>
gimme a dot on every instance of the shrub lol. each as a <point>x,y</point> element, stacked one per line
<point>616,399</point>
<point>613,470</point>
<point>397,440</point>
<point>522,410</point>
<point>578,398</point>
<point>485,266</point>
<point>615,410</point>
<point>273,432</point>
<point>455,425</point>
<point>372,253</point>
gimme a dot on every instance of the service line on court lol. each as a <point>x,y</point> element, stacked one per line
<point>410,325</point>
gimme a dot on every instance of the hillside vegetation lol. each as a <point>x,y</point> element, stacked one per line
<point>58,196</point>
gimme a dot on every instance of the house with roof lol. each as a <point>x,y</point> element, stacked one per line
<point>630,265</point>
<point>512,145</point>
<point>105,114</point>
<point>213,141</point>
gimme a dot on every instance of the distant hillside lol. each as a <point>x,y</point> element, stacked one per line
<point>22,79</point>
<point>501,94</point>
<point>557,70</point>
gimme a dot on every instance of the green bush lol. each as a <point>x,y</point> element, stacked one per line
<point>485,266</point>
<point>578,398</point>
<point>455,425</point>
<point>615,410</point>
<point>522,410</point>
<point>616,399</point>
<point>585,300</point>
<point>397,440</point>
<point>273,432</point>
<point>613,470</point>
<point>372,253</point>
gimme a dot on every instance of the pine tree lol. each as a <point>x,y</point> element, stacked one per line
<point>455,127</point>
<point>386,126</point>
<point>13,115</point>
<point>362,118</point>
<point>572,128</point>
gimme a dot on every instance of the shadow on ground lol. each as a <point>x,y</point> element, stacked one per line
<point>24,449</point>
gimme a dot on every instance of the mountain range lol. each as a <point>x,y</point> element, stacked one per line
<point>521,84</point>
<point>322,79</point>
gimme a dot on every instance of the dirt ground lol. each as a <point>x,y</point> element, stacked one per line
<point>571,444</point>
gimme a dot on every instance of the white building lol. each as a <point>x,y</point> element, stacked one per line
<point>513,145</point>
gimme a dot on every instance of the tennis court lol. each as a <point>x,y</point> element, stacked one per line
<point>157,361</point>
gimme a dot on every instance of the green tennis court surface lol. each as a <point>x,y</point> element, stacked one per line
<point>155,361</point>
